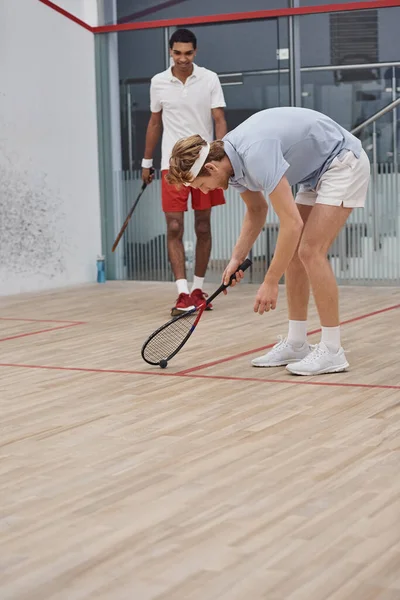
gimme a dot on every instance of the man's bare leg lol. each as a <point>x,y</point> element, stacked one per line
<point>296,280</point>
<point>202,225</point>
<point>321,229</point>
<point>176,251</point>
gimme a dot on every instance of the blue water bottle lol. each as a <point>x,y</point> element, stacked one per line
<point>101,269</point>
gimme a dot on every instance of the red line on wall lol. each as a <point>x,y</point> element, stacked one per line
<point>149,11</point>
<point>249,16</point>
<point>67,14</point>
<point>247,352</point>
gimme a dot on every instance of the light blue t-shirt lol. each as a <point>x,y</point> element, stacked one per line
<point>296,142</point>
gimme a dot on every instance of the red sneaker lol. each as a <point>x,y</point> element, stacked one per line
<point>198,297</point>
<point>183,304</point>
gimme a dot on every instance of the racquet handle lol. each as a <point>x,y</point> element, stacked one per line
<point>245,265</point>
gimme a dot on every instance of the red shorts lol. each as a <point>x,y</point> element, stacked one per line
<point>176,200</point>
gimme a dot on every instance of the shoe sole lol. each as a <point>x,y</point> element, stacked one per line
<point>280,364</point>
<point>336,369</point>
<point>175,312</point>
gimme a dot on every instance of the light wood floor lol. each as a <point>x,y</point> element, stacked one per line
<point>210,480</point>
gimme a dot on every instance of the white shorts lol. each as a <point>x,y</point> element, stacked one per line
<point>345,182</point>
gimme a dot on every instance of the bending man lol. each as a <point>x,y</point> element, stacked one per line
<point>269,152</point>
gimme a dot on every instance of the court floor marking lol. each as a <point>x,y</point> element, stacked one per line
<point>41,320</point>
<point>256,350</point>
<point>22,335</point>
<point>296,380</point>
<point>189,372</point>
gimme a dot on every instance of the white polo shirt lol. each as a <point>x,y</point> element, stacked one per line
<point>186,108</point>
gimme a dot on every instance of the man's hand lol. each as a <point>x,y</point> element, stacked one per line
<point>267,297</point>
<point>147,175</point>
<point>230,270</point>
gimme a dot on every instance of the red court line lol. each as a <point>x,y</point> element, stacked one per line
<point>90,370</point>
<point>235,356</point>
<point>371,314</point>
<point>295,380</point>
<point>248,16</point>
<point>21,335</point>
<point>41,320</point>
<point>67,14</point>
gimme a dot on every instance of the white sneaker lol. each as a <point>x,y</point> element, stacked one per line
<point>282,354</point>
<point>320,360</point>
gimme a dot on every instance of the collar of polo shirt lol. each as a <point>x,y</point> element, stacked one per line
<point>235,161</point>
<point>193,74</point>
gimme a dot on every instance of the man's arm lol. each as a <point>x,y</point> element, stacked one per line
<point>253,223</point>
<point>153,134</point>
<point>221,127</point>
<point>290,228</point>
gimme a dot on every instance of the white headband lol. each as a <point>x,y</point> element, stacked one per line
<point>199,162</point>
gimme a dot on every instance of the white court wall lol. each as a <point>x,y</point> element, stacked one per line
<point>86,10</point>
<point>50,233</point>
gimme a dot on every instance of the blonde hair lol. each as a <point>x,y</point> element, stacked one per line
<point>185,153</point>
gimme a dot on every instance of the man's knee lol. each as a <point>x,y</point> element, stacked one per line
<point>174,227</point>
<point>203,227</point>
<point>310,253</point>
<point>295,264</point>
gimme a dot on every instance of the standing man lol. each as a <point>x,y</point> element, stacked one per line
<point>269,152</point>
<point>185,99</point>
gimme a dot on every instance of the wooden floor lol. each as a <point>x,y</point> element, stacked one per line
<point>211,480</point>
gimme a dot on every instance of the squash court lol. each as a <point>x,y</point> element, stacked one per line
<point>208,480</point>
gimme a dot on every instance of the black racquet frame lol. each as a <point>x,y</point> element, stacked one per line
<point>245,265</point>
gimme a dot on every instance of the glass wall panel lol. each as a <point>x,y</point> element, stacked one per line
<point>351,103</point>
<point>141,53</point>
<point>355,37</point>
<point>246,46</point>
<point>252,61</point>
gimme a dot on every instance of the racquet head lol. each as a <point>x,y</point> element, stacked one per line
<point>167,340</point>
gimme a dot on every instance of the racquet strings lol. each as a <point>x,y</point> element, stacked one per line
<point>166,341</point>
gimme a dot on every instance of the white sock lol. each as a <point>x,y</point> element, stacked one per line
<point>297,335</point>
<point>197,283</point>
<point>331,338</point>
<point>182,286</point>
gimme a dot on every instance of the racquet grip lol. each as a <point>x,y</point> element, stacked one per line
<point>245,265</point>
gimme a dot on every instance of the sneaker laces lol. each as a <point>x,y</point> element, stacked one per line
<point>281,345</point>
<point>317,352</point>
<point>201,294</point>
